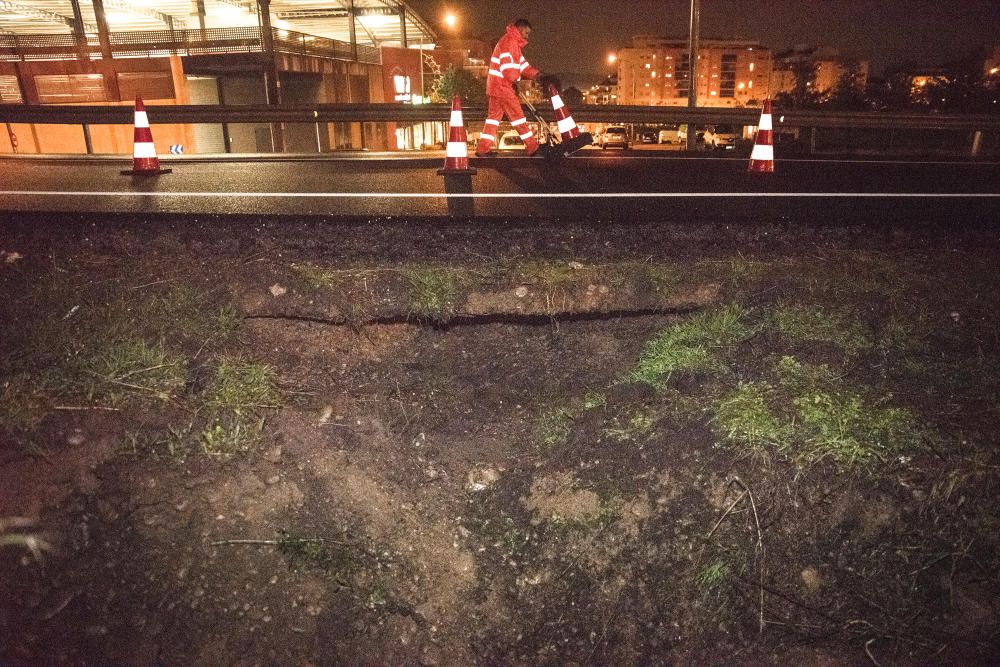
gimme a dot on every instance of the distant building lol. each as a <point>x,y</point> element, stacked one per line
<point>603,93</point>
<point>731,73</point>
<point>830,66</point>
<point>922,82</point>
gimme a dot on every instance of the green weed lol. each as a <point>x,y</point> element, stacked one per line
<point>695,344</point>
<point>433,293</point>
<point>593,400</point>
<point>303,550</point>
<point>714,575</point>
<point>818,324</point>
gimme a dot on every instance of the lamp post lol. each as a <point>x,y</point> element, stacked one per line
<point>694,28</point>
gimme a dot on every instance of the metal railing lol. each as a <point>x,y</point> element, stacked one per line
<point>189,42</point>
<point>406,113</point>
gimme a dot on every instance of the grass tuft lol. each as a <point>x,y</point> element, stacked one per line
<point>132,368</point>
<point>695,344</point>
<point>433,293</point>
<point>243,387</point>
<point>555,425</point>
<point>746,416</point>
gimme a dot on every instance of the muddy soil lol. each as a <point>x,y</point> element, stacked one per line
<point>461,466</point>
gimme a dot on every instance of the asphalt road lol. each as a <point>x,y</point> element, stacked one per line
<point>589,185</point>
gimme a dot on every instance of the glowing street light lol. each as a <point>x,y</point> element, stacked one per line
<point>612,58</point>
<point>451,20</point>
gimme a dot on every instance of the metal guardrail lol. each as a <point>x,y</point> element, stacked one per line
<point>404,113</point>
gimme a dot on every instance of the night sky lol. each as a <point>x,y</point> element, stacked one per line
<point>575,36</point>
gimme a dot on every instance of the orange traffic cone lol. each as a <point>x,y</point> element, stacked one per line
<point>144,160</point>
<point>572,139</point>
<point>762,157</point>
<point>567,126</point>
<point>456,159</point>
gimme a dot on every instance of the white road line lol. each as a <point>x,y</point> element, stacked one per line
<point>512,195</point>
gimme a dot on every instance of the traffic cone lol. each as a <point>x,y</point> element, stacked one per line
<point>456,161</point>
<point>144,160</point>
<point>762,157</point>
<point>572,139</point>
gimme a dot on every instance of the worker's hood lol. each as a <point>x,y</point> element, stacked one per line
<point>516,34</point>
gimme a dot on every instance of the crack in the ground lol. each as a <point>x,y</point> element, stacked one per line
<point>468,320</point>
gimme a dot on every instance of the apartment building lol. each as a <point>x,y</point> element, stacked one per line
<point>654,71</point>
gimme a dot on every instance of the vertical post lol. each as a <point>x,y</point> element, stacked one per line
<point>199,6</point>
<point>354,30</point>
<point>79,33</point>
<point>103,32</point>
<point>272,85</point>
<point>977,142</point>
<point>402,27</point>
<point>88,142</point>
<point>693,38</point>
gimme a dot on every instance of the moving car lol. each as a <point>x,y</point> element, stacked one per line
<point>617,136</point>
<point>721,136</point>
<point>674,135</point>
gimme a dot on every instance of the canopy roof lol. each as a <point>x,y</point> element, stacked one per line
<point>377,22</point>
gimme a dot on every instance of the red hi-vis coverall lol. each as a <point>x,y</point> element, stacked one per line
<point>507,67</point>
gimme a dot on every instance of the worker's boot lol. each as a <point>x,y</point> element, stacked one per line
<point>484,148</point>
<point>531,146</point>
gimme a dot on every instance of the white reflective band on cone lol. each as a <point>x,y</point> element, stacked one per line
<point>557,102</point>
<point>144,150</point>
<point>141,119</point>
<point>763,153</point>
<point>566,124</point>
<point>456,119</point>
<point>765,122</point>
<point>490,121</point>
<point>457,149</point>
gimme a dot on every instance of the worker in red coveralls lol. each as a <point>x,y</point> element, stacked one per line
<point>507,67</point>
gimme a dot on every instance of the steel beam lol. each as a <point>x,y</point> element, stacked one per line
<point>130,8</point>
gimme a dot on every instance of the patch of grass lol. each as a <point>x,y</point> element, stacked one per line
<point>315,276</point>
<point>695,344</point>
<point>594,399</point>
<point>635,427</point>
<point>242,387</point>
<point>379,595</point>
<point>555,425</point>
<point>226,437</point>
<point>811,323</point>
<point>433,293</point>
<point>548,274</point>
<point>130,369</point>
<point>746,416</point>
<point>174,442</point>
<point>24,401</point>
<point>714,575</point>
<point>811,417</point>
<point>178,314</point>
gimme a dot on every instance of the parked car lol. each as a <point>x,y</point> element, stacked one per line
<point>721,137</point>
<point>648,137</point>
<point>673,135</point>
<point>616,135</point>
<point>510,141</point>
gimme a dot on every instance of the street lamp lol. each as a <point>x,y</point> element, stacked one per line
<point>693,68</point>
<point>612,58</point>
<point>450,20</point>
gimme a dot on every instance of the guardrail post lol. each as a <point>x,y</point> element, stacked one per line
<point>977,142</point>
<point>87,140</point>
<point>812,140</point>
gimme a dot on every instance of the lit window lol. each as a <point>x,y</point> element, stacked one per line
<point>741,86</point>
<point>714,93</point>
<point>750,85</point>
<point>653,75</point>
<point>647,65</point>
<point>751,67</point>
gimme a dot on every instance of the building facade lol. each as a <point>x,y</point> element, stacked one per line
<point>731,73</point>
<point>828,63</point>
<point>180,52</point>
